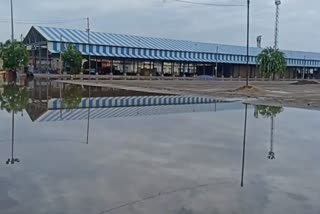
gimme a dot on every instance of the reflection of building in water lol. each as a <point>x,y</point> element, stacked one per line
<point>54,102</point>
<point>102,113</point>
<point>44,91</point>
<point>35,110</point>
<point>2,77</point>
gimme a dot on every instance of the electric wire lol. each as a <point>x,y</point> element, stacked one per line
<point>36,22</point>
<point>209,4</point>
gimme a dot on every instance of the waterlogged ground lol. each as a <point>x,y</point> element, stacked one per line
<point>188,163</point>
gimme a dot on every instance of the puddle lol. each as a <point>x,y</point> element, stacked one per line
<point>194,158</point>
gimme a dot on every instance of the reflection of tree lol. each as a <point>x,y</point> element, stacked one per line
<point>71,97</point>
<point>14,99</point>
<point>269,112</point>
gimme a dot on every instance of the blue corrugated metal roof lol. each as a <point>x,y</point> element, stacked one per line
<point>120,40</point>
<point>108,102</point>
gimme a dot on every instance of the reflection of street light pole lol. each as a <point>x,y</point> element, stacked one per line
<point>271,154</point>
<point>12,160</point>
<point>244,144</point>
<point>88,122</point>
<point>61,103</point>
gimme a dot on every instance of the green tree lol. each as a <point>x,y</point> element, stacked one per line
<point>14,55</point>
<point>14,99</point>
<point>73,58</point>
<point>71,97</point>
<point>271,62</point>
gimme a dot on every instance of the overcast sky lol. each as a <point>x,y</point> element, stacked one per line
<point>299,20</point>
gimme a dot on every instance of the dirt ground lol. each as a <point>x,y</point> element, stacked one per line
<point>273,93</point>
<point>283,93</point>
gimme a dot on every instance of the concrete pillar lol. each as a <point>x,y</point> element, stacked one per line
<point>203,69</point>
<point>213,69</point>
<point>222,71</point>
<point>162,73</point>
<point>172,69</point>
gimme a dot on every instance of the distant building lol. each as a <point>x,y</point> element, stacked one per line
<point>132,55</point>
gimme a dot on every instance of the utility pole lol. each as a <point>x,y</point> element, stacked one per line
<point>12,29</point>
<point>248,40</point>
<point>304,67</point>
<point>61,56</point>
<point>88,31</point>
<point>216,68</point>
<point>276,32</point>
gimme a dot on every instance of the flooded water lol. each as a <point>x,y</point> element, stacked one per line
<point>191,159</point>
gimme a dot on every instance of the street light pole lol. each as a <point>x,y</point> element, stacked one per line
<point>216,68</point>
<point>88,31</point>
<point>248,40</point>
<point>12,29</point>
